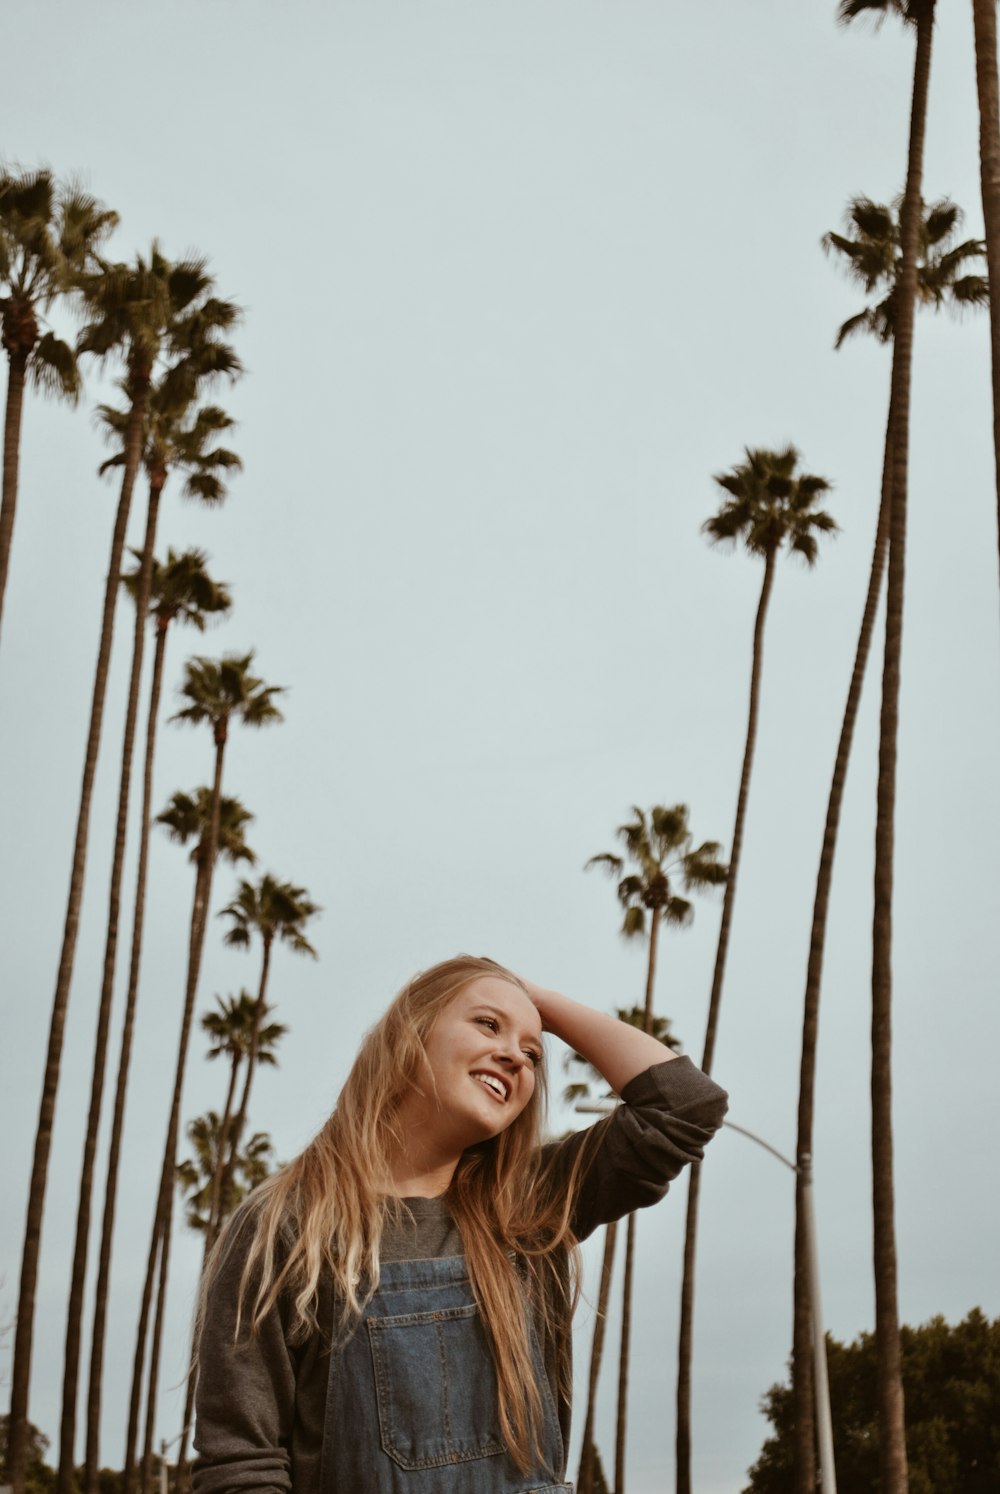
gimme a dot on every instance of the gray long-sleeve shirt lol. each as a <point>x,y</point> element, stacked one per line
<point>261,1402</point>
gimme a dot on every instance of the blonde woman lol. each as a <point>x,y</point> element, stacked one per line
<point>390,1313</point>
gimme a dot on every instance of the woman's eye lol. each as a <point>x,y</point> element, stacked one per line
<point>533,1058</point>
<point>489,1022</point>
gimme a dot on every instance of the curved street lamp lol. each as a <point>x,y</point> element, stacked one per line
<point>824,1420</point>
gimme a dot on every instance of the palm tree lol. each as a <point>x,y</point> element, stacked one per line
<point>770,506</point>
<point>188,817</point>
<point>984,14</point>
<point>590,1478</point>
<point>230,1028</point>
<point>271,910</point>
<point>217,691</point>
<point>892,1438</point>
<point>133,313</point>
<point>872,254</point>
<point>195,1174</point>
<point>181,588</point>
<point>658,847</point>
<point>871,249</point>
<point>48,234</point>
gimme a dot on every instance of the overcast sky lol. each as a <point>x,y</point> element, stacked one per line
<point>518,280</point>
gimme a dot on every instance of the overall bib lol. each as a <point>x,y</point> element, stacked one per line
<point>411,1405</point>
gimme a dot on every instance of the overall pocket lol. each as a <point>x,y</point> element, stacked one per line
<point>436,1387</point>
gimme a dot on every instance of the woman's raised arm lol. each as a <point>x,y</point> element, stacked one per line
<point>617,1051</point>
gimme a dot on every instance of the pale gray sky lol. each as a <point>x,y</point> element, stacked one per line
<point>518,279</point>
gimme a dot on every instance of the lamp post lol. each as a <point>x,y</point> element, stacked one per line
<point>824,1420</point>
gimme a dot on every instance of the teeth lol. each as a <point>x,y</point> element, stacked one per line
<point>493,1084</point>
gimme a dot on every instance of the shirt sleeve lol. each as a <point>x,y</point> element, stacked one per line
<point>245,1400</point>
<point>667,1116</point>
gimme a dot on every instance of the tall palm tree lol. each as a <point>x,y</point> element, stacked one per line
<point>590,1478</point>
<point>171,444</point>
<point>217,692</point>
<point>271,910</point>
<point>195,1174</point>
<point>770,505</point>
<point>48,234</point>
<point>984,15</point>
<point>180,589</point>
<point>133,312</point>
<point>230,1028</point>
<point>918,14</point>
<point>188,817</point>
<point>870,250</point>
<point>658,848</point>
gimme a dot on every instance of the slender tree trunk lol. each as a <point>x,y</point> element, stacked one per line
<point>984,13</point>
<point>182,1456</point>
<point>18,360</point>
<point>66,1480</point>
<point>892,1437</point>
<point>157,1345</point>
<point>621,1432</point>
<point>683,1432</point>
<point>125,1055</point>
<point>215,1209</point>
<point>241,1118</point>
<point>164,1198</point>
<point>21,1368</point>
<point>802,1376</point>
<point>585,1477</point>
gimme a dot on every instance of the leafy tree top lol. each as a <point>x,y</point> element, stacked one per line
<point>189,817</point>
<point>658,846</point>
<point>218,689</point>
<point>230,1029</point>
<point>909,11</point>
<point>181,588</point>
<point>951,1386</point>
<point>871,252</point>
<point>170,443</point>
<point>273,910</point>
<point>770,504</point>
<point>49,235</point>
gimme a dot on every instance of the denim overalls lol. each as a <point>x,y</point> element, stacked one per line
<point>411,1405</point>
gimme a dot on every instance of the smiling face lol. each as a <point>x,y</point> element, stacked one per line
<point>483,1052</point>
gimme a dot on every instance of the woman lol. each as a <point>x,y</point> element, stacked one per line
<point>390,1313</point>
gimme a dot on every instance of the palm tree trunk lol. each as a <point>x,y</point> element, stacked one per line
<point>802,1377</point>
<point>241,1117</point>
<point>585,1477</point>
<point>21,1368</point>
<point>892,1438</point>
<point>626,1338</point>
<point>683,1432</point>
<point>154,1357</point>
<point>66,1480</point>
<point>182,1461</point>
<point>121,1086</point>
<point>164,1198</point>
<point>984,13</point>
<point>18,361</point>
<point>621,1427</point>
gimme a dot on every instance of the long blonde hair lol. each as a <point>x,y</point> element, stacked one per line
<point>325,1211</point>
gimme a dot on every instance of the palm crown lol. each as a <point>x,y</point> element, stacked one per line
<point>768,505</point>
<point>272,909</point>
<point>230,1029</point>
<point>189,817</point>
<point>171,443</point>
<point>48,236</point>
<point>180,587</point>
<point>218,689</point>
<point>658,847</point>
<point>871,249</point>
